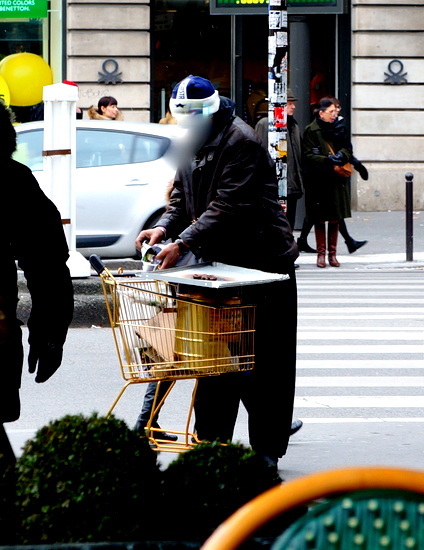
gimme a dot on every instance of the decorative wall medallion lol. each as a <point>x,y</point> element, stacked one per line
<point>110,76</point>
<point>395,77</point>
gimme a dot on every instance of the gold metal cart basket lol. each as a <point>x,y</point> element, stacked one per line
<point>164,333</point>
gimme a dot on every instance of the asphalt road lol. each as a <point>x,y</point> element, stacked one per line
<point>374,319</point>
<point>89,379</point>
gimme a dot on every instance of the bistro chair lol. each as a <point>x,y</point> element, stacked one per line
<point>360,508</point>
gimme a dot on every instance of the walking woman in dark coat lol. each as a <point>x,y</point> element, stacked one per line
<point>31,234</point>
<point>327,197</point>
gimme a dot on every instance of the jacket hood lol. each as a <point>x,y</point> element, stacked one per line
<point>224,113</point>
<point>220,119</point>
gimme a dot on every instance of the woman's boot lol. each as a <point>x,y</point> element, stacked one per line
<point>320,238</point>
<point>333,231</point>
<point>351,244</point>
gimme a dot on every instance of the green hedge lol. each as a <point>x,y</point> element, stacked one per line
<point>92,480</point>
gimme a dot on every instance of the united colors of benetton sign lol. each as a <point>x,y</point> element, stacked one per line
<point>28,9</point>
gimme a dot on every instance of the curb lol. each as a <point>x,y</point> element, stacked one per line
<point>90,308</point>
<point>89,301</point>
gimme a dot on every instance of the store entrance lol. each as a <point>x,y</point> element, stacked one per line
<point>207,48</point>
<point>232,52</point>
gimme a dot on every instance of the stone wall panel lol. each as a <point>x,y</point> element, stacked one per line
<point>108,43</point>
<point>387,148</point>
<point>111,17</point>
<point>386,190</point>
<point>380,44</point>
<point>387,97</point>
<point>390,123</point>
<point>393,18</point>
<point>133,69</point>
<point>130,96</point>
<point>372,70</point>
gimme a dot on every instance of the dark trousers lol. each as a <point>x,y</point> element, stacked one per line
<point>148,401</point>
<point>291,210</point>
<point>268,390</point>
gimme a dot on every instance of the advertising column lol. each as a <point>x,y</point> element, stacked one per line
<point>277,92</point>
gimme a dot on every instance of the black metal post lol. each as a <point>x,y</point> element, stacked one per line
<point>409,212</point>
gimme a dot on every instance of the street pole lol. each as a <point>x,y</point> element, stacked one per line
<point>278,46</point>
<point>59,154</point>
<point>409,206</point>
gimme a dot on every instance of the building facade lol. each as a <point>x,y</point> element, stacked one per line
<point>387,101</point>
<point>368,53</point>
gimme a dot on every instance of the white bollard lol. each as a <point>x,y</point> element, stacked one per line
<point>59,154</point>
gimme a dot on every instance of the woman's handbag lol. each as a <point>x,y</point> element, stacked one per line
<point>344,171</point>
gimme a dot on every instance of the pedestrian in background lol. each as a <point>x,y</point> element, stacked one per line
<point>224,207</point>
<point>107,109</point>
<point>327,196</point>
<point>294,155</point>
<point>168,118</point>
<point>31,234</point>
<point>341,131</point>
<point>294,174</point>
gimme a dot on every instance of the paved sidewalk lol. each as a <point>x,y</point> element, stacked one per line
<point>386,248</point>
<point>386,236</point>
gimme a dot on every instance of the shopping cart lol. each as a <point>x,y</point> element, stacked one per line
<point>168,330</point>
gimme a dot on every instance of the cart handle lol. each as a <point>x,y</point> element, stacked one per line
<point>97,264</point>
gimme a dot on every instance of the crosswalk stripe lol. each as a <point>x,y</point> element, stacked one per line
<point>360,401</point>
<point>342,338</point>
<point>358,316</point>
<point>356,420</point>
<point>396,310</point>
<point>361,381</point>
<point>352,300</point>
<point>315,328</point>
<point>356,349</point>
<point>379,288</point>
<point>370,335</point>
<point>399,364</point>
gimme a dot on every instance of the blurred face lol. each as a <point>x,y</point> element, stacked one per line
<point>111,111</point>
<point>329,114</point>
<point>291,106</point>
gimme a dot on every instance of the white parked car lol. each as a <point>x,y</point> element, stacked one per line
<point>123,170</point>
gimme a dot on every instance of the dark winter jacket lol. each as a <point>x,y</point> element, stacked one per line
<point>294,159</point>
<point>327,195</point>
<point>31,233</point>
<point>224,204</point>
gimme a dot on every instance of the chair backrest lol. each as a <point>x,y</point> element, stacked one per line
<point>367,520</point>
<point>393,497</point>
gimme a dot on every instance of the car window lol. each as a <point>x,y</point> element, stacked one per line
<point>148,148</point>
<point>29,149</point>
<point>107,148</point>
<point>95,148</point>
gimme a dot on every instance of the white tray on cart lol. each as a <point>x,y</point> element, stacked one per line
<point>226,275</point>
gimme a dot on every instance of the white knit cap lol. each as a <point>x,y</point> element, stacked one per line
<point>192,96</point>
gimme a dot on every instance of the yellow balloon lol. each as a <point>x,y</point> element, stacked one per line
<point>4,92</point>
<point>25,74</point>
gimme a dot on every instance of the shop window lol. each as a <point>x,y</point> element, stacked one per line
<point>21,36</point>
